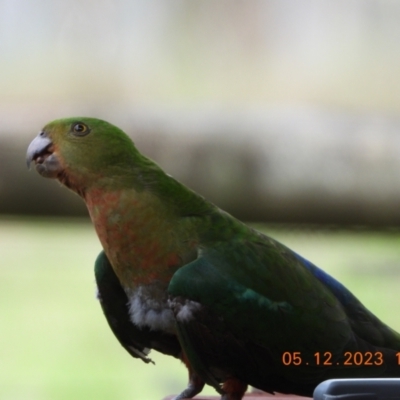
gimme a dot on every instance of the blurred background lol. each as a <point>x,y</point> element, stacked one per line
<point>284,113</point>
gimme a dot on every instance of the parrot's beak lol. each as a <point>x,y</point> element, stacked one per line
<point>41,151</point>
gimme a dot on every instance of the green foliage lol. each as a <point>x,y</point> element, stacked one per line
<point>55,342</point>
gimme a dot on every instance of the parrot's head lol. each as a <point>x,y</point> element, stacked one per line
<point>80,151</point>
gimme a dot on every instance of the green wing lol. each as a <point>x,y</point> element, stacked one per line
<point>137,341</point>
<point>259,301</point>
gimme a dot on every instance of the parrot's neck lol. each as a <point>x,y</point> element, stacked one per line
<point>142,240</point>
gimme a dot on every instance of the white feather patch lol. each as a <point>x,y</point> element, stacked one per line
<point>148,306</point>
<point>184,309</point>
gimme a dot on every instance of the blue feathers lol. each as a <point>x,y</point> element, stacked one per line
<point>341,293</point>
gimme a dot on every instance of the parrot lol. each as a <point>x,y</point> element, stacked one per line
<point>180,276</point>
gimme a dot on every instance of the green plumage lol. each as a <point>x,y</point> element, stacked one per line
<point>180,276</point>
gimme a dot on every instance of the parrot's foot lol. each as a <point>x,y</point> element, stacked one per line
<point>234,389</point>
<point>194,387</point>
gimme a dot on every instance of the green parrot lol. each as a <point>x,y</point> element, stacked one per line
<point>180,276</point>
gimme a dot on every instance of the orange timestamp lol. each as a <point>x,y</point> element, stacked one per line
<point>350,359</point>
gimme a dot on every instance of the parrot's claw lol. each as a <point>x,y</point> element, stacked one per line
<point>188,393</point>
<point>194,387</point>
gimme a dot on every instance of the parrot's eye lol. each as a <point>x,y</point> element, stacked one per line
<point>80,129</point>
